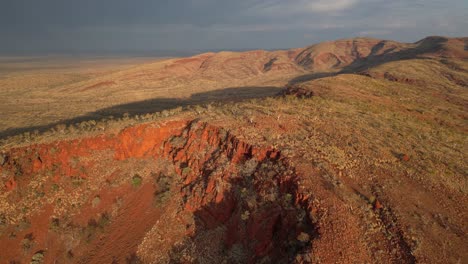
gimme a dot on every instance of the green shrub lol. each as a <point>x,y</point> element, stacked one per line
<point>28,242</point>
<point>96,201</point>
<point>38,257</point>
<point>104,220</point>
<point>77,181</point>
<point>54,224</point>
<point>136,180</point>
<point>186,170</point>
<point>55,187</point>
<point>94,227</point>
<point>162,194</point>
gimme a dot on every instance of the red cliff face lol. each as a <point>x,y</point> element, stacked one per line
<point>138,142</point>
<point>248,192</point>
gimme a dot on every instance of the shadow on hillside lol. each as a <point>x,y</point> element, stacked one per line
<point>311,76</point>
<point>224,233</point>
<point>157,105</point>
<point>427,45</point>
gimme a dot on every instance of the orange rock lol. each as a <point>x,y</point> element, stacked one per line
<point>378,205</point>
<point>405,157</point>
<point>211,186</point>
<point>11,184</point>
<point>37,165</point>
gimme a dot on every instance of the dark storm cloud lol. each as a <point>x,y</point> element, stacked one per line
<point>76,13</point>
<point>115,25</point>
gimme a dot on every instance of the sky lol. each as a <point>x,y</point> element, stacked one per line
<point>113,26</point>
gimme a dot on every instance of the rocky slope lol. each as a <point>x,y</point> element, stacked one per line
<point>218,186</point>
<point>199,183</point>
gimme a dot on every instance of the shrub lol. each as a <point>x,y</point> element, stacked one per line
<point>303,237</point>
<point>96,201</point>
<point>77,181</point>
<point>104,220</point>
<point>245,215</point>
<point>136,180</point>
<point>38,257</point>
<point>55,187</point>
<point>162,194</point>
<point>3,220</point>
<point>94,226</point>
<point>61,128</point>
<point>54,224</point>
<point>27,242</point>
<point>71,128</point>
<point>186,170</point>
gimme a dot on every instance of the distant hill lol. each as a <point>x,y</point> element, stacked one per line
<point>213,70</point>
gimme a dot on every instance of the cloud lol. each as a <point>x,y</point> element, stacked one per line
<point>374,32</point>
<point>271,27</point>
<point>296,7</point>
<point>248,28</point>
<point>328,6</point>
<point>220,24</point>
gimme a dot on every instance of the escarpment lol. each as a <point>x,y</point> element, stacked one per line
<point>208,194</point>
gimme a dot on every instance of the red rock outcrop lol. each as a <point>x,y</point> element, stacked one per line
<point>297,91</point>
<point>249,191</point>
